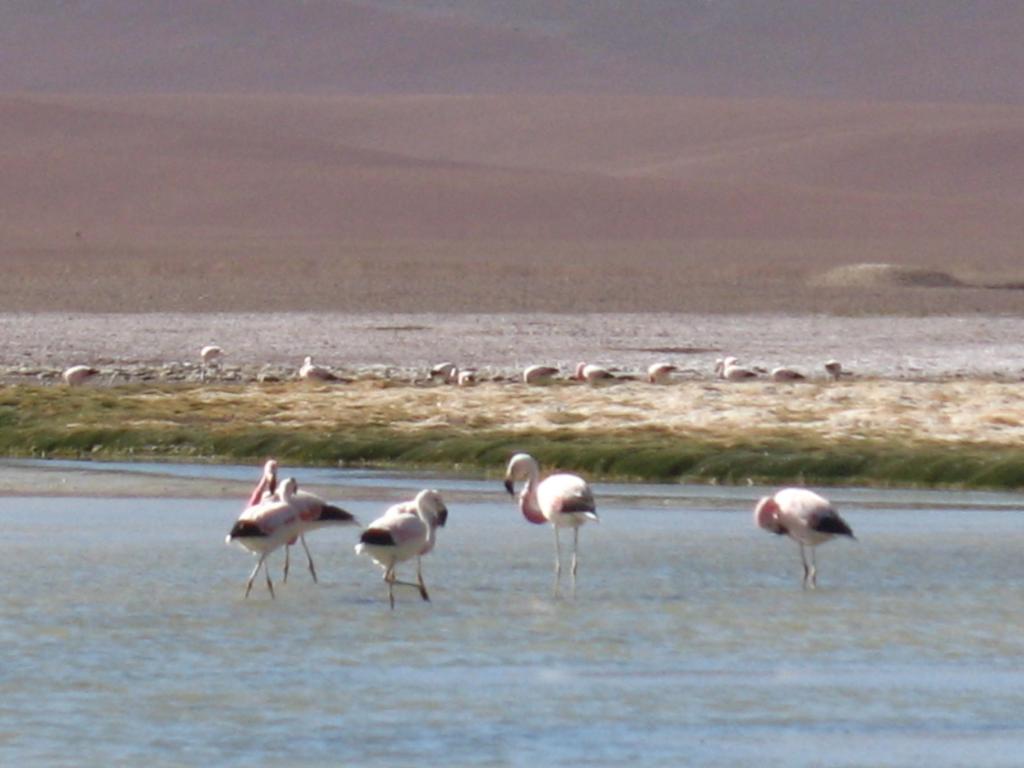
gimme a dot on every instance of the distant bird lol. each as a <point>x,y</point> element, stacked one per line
<point>834,369</point>
<point>660,373</point>
<point>730,370</point>
<point>539,374</point>
<point>563,500</point>
<point>446,372</point>
<point>592,374</point>
<point>786,374</point>
<point>210,356</point>
<point>466,378</point>
<point>804,516</point>
<point>78,374</point>
<point>404,531</point>
<point>313,372</point>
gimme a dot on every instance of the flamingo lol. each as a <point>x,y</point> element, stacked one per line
<point>786,374</point>
<point>210,356</point>
<point>564,500</point>
<point>834,369</point>
<point>730,370</point>
<point>466,378</point>
<point>314,513</point>
<point>405,530</point>
<point>78,374</point>
<point>265,526</point>
<point>660,373</point>
<point>278,519</point>
<point>539,374</point>
<point>446,372</point>
<point>592,374</point>
<point>314,372</point>
<point>804,516</point>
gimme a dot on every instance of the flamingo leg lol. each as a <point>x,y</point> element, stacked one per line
<point>269,584</point>
<point>389,577</point>
<point>814,570</point>
<point>575,548</point>
<point>575,558</point>
<point>807,567</point>
<point>252,576</point>
<point>287,561</point>
<point>309,557</point>
<point>558,555</point>
<point>419,578</point>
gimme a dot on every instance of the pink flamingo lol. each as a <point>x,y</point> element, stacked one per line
<point>804,516</point>
<point>730,370</point>
<point>210,356</point>
<point>786,374</point>
<point>660,373</point>
<point>564,500</point>
<point>405,530</point>
<point>446,372</point>
<point>834,369</point>
<point>78,374</point>
<point>265,526</point>
<point>313,372</point>
<point>314,513</point>
<point>592,374</point>
<point>539,374</point>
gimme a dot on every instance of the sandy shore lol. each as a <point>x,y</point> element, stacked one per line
<point>37,345</point>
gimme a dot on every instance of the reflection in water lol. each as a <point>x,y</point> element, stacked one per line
<point>690,642</point>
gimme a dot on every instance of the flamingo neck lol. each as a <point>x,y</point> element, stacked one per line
<point>528,502</point>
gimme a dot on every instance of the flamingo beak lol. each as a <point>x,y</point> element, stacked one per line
<point>510,487</point>
<point>442,517</point>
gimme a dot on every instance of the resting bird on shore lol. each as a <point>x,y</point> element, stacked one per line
<point>592,374</point>
<point>445,372</point>
<point>834,369</point>
<point>405,530</point>
<point>313,372</point>
<point>660,373</point>
<point>804,516</point>
<point>730,370</point>
<point>786,374</point>
<point>78,374</point>
<point>539,374</point>
<point>210,356</point>
<point>563,500</point>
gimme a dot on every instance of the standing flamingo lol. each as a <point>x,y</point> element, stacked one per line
<point>564,500</point>
<point>265,526</point>
<point>804,516</point>
<point>210,356</point>
<point>405,530</point>
<point>314,513</point>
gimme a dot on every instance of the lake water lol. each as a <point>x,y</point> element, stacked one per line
<point>125,639</point>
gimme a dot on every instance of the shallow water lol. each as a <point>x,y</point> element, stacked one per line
<point>126,639</point>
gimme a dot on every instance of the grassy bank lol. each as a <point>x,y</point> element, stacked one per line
<point>622,432</point>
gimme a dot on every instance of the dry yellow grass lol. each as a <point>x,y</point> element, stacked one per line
<point>969,412</point>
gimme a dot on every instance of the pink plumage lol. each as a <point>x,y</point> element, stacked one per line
<point>807,518</point>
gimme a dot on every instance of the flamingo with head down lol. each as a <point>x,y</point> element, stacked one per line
<point>405,530</point>
<point>804,516</point>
